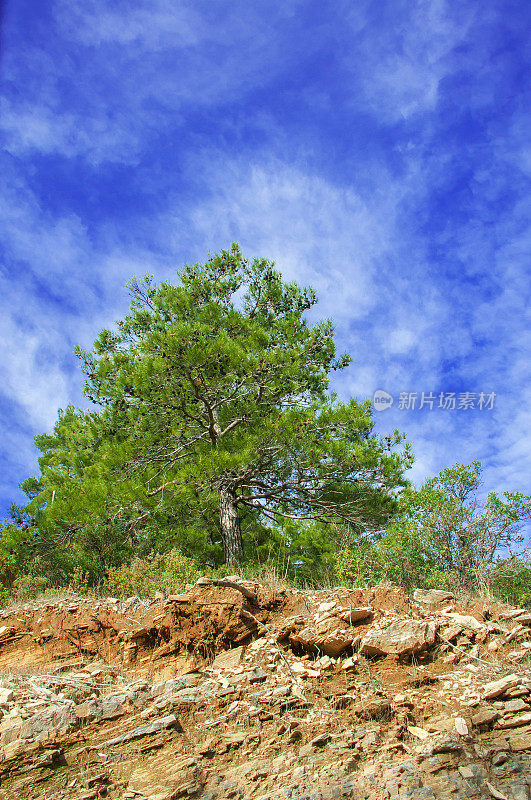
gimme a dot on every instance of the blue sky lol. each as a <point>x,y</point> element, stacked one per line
<point>377,151</point>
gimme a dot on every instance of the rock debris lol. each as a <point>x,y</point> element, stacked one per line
<point>235,690</point>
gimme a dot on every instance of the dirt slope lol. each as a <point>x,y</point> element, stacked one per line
<point>234,690</point>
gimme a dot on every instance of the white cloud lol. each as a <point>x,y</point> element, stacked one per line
<point>40,127</point>
<point>136,71</point>
<point>318,233</point>
<point>150,26</point>
<point>398,71</point>
<point>31,373</point>
<point>401,340</point>
<point>58,287</point>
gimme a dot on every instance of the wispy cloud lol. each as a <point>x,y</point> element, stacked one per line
<point>378,153</point>
<point>397,72</point>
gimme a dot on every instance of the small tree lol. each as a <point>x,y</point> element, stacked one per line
<point>458,533</point>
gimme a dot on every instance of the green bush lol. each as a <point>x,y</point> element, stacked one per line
<point>397,556</point>
<point>5,597</point>
<point>359,566</point>
<point>510,579</point>
<point>28,587</point>
<point>154,573</point>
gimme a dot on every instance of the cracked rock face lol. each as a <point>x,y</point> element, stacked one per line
<point>229,690</point>
<point>406,637</point>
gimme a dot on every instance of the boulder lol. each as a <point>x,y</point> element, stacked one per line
<point>19,747</point>
<point>517,721</point>
<point>56,720</point>
<point>6,695</point>
<point>512,706</point>
<point>461,726</point>
<point>465,620</point>
<point>6,632</point>
<point>519,743</point>
<point>404,637</point>
<point>185,696</point>
<point>485,717</point>
<point>12,732</point>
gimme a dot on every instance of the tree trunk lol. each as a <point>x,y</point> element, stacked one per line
<point>231,534</point>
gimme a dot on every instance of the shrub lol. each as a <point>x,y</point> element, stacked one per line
<point>510,579</point>
<point>165,573</point>
<point>359,566</point>
<point>5,597</point>
<point>28,587</point>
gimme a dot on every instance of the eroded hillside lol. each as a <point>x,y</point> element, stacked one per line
<point>237,690</point>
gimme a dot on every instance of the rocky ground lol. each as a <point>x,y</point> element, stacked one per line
<point>233,690</point>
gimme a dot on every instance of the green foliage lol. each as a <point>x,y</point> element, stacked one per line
<point>454,531</point>
<point>510,578</point>
<point>396,556</point>
<point>359,566</point>
<point>29,587</point>
<point>5,597</point>
<point>143,577</point>
<point>18,546</point>
<point>301,551</point>
<point>215,423</point>
<point>443,537</point>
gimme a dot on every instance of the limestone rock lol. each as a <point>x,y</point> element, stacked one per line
<point>105,708</point>
<point>331,642</point>
<point>320,740</point>
<point>184,696</point>
<point>461,726</point>
<point>499,687</point>
<point>6,695</point>
<point>515,722</point>
<point>519,743</point>
<point>466,620</point>
<point>403,637</point>
<point>157,725</point>
<point>258,675</point>
<point>495,793</point>
<point>354,615</point>
<point>515,705</point>
<point>228,659</point>
<point>432,596</point>
<point>19,747</point>
<point>441,744</point>
<point>420,733</point>
<point>485,717</point>
<point>57,719</point>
